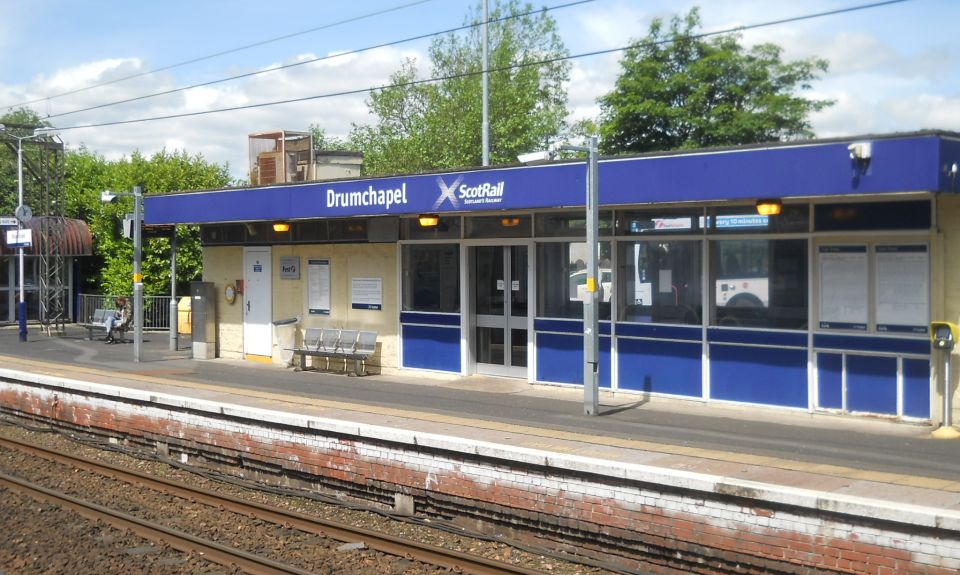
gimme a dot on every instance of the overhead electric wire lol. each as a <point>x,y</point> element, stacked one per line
<point>222,53</point>
<point>499,69</point>
<point>313,60</point>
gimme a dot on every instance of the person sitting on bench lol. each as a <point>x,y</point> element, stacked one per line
<point>118,318</point>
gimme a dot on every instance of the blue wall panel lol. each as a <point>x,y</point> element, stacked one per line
<point>916,388</point>
<point>560,358</point>
<point>660,366</point>
<point>431,347</point>
<point>872,384</point>
<point>763,375</point>
<point>830,380</point>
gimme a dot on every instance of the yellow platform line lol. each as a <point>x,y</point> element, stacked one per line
<point>838,471</point>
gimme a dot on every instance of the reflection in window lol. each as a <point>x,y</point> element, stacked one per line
<point>660,282</point>
<point>431,278</point>
<point>649,222</point>
<point>759,283</point>
<point>562,273</point>
<point>745,219</point>
<point>567,224</point>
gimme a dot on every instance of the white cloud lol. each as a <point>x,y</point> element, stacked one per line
<point>219,137</point>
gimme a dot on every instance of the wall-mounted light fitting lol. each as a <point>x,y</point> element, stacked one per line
<point>510,222</point>
<point>428,220</point>
<point>769,207</point>
<point>281,227</point>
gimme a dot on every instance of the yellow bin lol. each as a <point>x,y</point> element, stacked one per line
<point>184,324</point>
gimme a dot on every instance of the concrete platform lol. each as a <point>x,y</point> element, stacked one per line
<point>866,469</point>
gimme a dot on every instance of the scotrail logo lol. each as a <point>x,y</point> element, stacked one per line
<point>485,193</point>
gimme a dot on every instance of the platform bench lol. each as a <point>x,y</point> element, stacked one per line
<point>99,322</point>
<point>346,344</point>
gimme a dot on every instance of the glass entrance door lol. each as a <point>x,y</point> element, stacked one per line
<point>500,309</point>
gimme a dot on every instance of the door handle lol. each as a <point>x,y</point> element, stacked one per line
<point>248,306</point>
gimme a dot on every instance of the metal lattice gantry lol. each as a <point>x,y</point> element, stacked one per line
<point>43,191</point>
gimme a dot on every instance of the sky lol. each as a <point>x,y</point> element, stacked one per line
<point>892,68</point>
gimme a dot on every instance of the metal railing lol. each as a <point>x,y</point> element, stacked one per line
<point>156,308</point>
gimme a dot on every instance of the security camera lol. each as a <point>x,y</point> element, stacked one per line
<point>108,197</point>
<point>534,157</point>
<point>860,151</point>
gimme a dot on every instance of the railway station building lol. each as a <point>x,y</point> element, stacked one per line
<point>823,307</point>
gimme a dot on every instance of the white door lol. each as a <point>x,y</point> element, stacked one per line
<point>257,301</point>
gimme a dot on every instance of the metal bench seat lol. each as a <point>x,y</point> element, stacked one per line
<point>99,322</point>
<point>335,343</point>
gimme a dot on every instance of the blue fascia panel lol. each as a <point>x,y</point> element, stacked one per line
<point>767,376</point>
<point>567,326</point>
<point>875,344</point>
<point>435,348</point>
<point>754,337</point>
<point>652,331</point>
<point>824,169</point>
<point>447,319</point>
<point>660,366</point>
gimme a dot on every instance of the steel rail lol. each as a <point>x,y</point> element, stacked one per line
<point>455,560</point>
<point>214,552</point>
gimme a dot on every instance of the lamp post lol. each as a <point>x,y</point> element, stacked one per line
<point>108,197</point>
<point>591,316</point>
<point>23,214</point>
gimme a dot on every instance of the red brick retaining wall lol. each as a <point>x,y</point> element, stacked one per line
<point>669,526</point>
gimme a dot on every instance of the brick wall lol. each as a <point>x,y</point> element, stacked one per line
<point>665,527</point>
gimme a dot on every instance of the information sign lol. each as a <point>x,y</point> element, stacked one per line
<point>366,293</point>
<point>7,222</point>
<point>290,267</point>
<point>20,238</point>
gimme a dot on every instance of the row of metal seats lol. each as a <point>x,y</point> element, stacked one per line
<point>337,343</point>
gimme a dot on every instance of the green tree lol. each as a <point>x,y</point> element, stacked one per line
<point>111,270</point>
<point>437,125</point>
<point>18,123</point>
<point>677,90</point>
<point>325,143</point>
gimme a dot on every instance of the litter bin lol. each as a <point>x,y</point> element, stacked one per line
<point>285,334</point>
<point>183,316</point>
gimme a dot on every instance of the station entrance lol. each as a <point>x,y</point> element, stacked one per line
<point>500,309</point>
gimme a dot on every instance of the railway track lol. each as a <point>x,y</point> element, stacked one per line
<point>455,561</point>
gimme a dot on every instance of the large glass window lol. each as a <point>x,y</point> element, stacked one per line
<point>562,279</point>
<point>431,277</point>
<point>856,216</point>
<point>759,283</point>
<point>447,228</point>
<point>505,226</point>
<point>660,282</point>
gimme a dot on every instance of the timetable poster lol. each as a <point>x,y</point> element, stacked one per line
<point>903,288</point>
<point>318,287</point>
<point>844,284</point>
